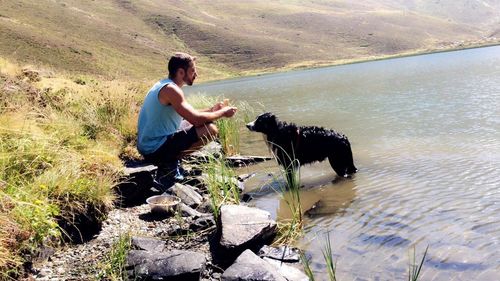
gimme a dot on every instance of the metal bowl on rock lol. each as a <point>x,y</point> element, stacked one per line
<point>163,203</point>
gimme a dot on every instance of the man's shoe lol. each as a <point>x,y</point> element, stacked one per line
<point>179,172</point>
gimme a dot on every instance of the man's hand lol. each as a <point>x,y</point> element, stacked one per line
<point>217,106</point>
<point>229,111</point>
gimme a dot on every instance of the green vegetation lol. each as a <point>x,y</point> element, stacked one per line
<point>327,256</point>
<point>289,229</point>
<point>113,268</point>
<point>229,128</point>
<point>221,183</point>
<point>60,143</point>
<point>307,266</point>
<point>413,269</point>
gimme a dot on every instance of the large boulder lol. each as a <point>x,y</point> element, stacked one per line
<point>245,227</point>
<point>174,265</point>
<point>248,266</point>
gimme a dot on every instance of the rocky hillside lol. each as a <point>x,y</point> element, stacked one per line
<point>128,38</point>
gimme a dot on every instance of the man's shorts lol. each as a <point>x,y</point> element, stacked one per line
<point>173,146</point>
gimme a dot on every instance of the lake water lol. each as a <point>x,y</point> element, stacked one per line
<point>425,134</point>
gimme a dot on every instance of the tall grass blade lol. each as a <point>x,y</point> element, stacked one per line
<point>413,269</point>
<point>328,256</point>
<point>306,263</point>
<point>113,267</point>
<point>221,183</point>
<point>289,230</point>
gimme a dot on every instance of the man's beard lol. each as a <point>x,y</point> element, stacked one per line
<point>189,82</point>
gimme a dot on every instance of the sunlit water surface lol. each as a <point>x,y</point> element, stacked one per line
<point>425,134</point>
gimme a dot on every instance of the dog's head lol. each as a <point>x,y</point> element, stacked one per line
<point>344,164</point>
<point>265,123</point>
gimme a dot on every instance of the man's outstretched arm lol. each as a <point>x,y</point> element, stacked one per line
<point>173,95</point>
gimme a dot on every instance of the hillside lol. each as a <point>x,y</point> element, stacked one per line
<point>117,38</point>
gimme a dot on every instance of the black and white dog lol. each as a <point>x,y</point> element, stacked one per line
<point>307,144</point>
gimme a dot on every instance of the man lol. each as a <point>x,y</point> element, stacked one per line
<point>163,136</point>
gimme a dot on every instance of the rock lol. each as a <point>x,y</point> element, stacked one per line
<point>174,265</point>
<point>242,226</point>
<point>289,272</point>
<point>206,206</point>
<point>246,198</point>
<point>286,254</point>
<point>135,185</point>
<point>202,223</point>
<point>238,161</point>
<point>212,149</point>
<point>187,211</point>
<point>188,194</point>
<point>248,266</point>
<point>245,177</point>
<point>147,244</point>
<point>145,168</point>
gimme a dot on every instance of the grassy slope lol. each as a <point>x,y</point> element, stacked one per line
<point>118,38</point>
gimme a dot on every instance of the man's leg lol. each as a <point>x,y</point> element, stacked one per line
<point>206,133</point>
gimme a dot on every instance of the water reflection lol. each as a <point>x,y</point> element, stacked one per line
<point>425,134</point>
<point>322,192</point>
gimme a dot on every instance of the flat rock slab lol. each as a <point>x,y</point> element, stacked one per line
<point>238,161</point>
<point>187,194</point>
<point>147,244</point>
<point>212,149</point>
<point>146,168</point>
<point>248,266</point>
<point>289,272</point>
<point>174,265</point>
<point>241,225</point>
<point>282,253</point>
<point>187,211</point>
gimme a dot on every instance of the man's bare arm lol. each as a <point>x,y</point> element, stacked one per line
<point>173,95</point>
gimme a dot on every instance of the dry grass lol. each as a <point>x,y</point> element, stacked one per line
<point>60,138</point>
<point>230,38</point>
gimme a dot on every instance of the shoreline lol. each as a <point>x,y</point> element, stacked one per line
<point>340,62</point>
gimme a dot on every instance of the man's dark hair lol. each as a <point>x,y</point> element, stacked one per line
<point>179,60</point>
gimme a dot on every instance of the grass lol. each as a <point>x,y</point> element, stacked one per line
<point>328,258</point>
<point>60,143</point>
<point>413,268</point>
<point>221,183</point>
<point>113,268</point>
<point>290,229</point>
<point>306,263</point>
<point>229,128</point>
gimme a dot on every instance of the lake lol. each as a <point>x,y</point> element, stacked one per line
<point>425,135</point>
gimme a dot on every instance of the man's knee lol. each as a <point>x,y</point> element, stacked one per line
<point>212,129</point>
<point>207,131</point>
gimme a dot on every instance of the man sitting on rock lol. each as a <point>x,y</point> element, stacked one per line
<point>168,126</point>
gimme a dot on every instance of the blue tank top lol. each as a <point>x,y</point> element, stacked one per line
<point>156,121</point>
